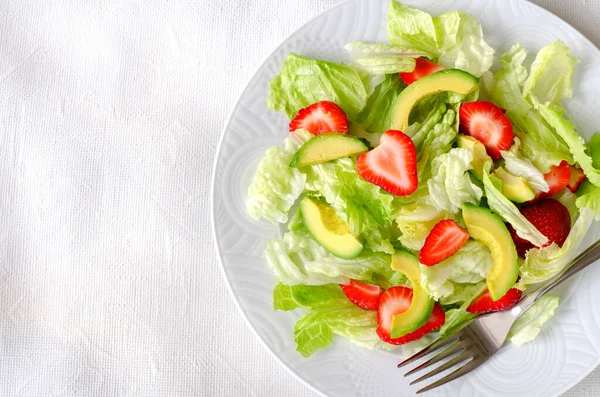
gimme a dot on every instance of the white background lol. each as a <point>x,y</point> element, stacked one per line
<point>110,113</point>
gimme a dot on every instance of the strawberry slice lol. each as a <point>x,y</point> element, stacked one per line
<point>557,178</point>
<point>423,67</point>
<point>488,124</point>
<point>485,304</point>
<point>321,117</point>
<point>577,178</point>
<point>397,300</point>
<point>443,241</point>
<point>392,165</point>
<point>550,217</point>
<point>363,295</point>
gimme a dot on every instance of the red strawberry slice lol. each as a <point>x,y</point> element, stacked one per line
<point>397,300</point>
<point>577,178</point>
<point>487,123</point>
<point>443,241</point>
<point>485,304</point>
<point>321,117</point>
<point>363,295</point>
<point>392,165</point>
<point>423,67</point>
<point>557,179</point>
<point>521,244</point>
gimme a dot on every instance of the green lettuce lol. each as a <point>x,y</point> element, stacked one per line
<point>363,206</point>
<point>551,75</point>
<point>383,58</point>
<point>588,193</point>
<point>460,277</point>
<point>290,297</point>
<point>507,210</point>
<point>415,221</point>
<point>451,185</point>
<point>529,324</point>
<point>554,116</point>
<point>520,166</point>
<point>275,186</point>
<point>303,81</point>
<point>544,263</point>
<point>454,38</point>
<point>376,117</point>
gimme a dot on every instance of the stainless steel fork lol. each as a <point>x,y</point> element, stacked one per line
<point>476,342</point>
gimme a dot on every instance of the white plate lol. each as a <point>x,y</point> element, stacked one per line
<point>568,347</point>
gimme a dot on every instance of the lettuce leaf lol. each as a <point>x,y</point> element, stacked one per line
<point>554,116</point>
<point>529,324</point>
<point>303,81</point>
<point>459,277</point>
<point>383,58</point>
<point>290,297</point>
<point>551,75</point>
<point>451,185</point>
<point>455,38</point>
<point>376,116</point>
<point>275,186</point>
<point>366,208</point>
<point>505,208</point>
<point>415,221</point>
<point>519,166</point>
<point>545,263</point>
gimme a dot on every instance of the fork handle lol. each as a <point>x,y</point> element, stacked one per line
<point>582,261</point>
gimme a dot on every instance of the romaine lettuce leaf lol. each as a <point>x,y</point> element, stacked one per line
<point>366,208</point>
<point>554,116</point>
<point>502,206</point>
<point>455,38</point>
<point>383,58</point>
<point>415,221</point>
<point>544,263</point>
<point>290,297</point>
<point>451,186</point>
<point>551,76</point>
<point>459,277</point>
<point>376,116</point>
<point>275,186</point>
<point>528,326</point>
<point>303,81</point>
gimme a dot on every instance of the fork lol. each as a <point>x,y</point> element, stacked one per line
<point>478,340</point>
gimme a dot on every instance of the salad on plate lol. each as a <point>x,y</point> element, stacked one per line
<point>423,183</point>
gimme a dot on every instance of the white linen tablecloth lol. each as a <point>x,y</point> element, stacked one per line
<point>110,113</point>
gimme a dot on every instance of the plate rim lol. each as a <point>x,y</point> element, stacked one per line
<point>214,178</point>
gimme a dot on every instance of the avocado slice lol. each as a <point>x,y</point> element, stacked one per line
<point>422,304</point>
<point>480,156</point>
<point>444,80</point>
<point>515,188</point>
<point>327,147</point>
<point>328,229</point>
<point>490,230</point>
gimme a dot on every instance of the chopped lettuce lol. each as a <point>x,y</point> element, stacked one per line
<point>275,186</point>
<point>459,277</point>
<point>366,208</point>
<point>455,37</point>
<point>551,76</point>
<point>383,58</point>
<point>520,166</point>
<point>290,297</point>
<point>415,221</point>
<point>505,208</point>
<point>589,197</point>
<point>451,185</point>
<point>529,324</point>
<point>554,116</point>
<point>303,81</point>
<point>376,116</point>
<point>544,263</point>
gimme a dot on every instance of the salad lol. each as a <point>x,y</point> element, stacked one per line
<point>424,183</point>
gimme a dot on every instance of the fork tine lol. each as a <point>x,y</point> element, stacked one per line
<point>430,348</point>
<point>453,349</point>
<point>468,367</point>
<point>448,364</point>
